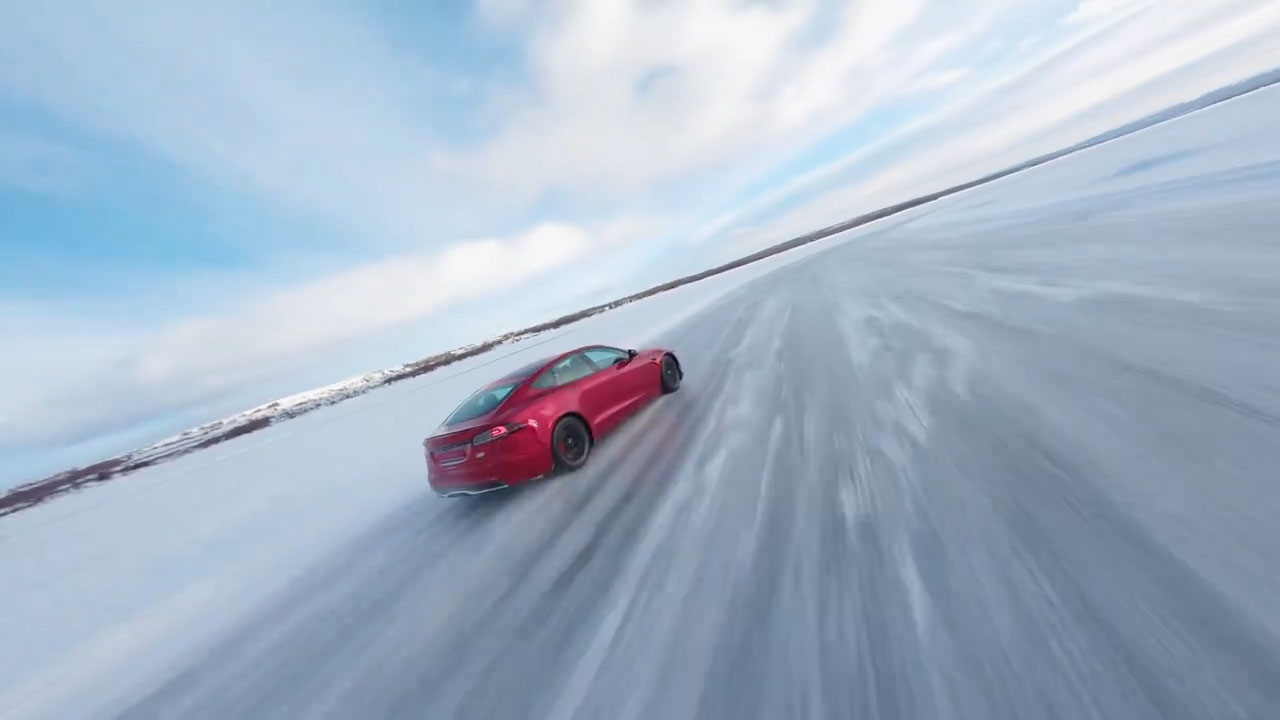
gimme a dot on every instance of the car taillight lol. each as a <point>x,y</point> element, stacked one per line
<point>497,432</point>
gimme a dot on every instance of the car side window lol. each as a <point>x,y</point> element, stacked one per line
<point>573,367</point>
<point>546,380</point>
<point>604,358</point>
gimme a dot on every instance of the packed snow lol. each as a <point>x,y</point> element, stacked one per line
<point>116,581</point>
<point>110,588</point>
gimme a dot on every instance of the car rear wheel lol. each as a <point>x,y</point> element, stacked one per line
<point>670,374</point>
<point>570,443</point>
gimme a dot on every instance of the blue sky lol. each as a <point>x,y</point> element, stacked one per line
<point>203,207</point>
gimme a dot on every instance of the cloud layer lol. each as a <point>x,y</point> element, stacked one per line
<point>381,172</point>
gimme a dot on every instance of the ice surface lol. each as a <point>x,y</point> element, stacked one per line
<point>1008,455</point>
<point>114,582</point>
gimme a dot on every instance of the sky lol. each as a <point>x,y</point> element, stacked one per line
<point>204,206</point>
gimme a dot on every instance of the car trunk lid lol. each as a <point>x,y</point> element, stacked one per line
<point>452,444</point>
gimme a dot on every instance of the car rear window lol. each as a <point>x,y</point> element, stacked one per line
<point>526,371</point>
<point>481,403</point>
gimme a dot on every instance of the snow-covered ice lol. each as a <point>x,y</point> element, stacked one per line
<point>107,586</point>
<point>108,591</point>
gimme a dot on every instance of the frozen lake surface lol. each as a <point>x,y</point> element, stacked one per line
<point>1010,455</point>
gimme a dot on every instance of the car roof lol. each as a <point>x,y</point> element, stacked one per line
<point>533,367</point>
<point>527,370</point>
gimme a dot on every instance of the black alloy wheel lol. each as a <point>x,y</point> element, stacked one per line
<point>570,443</point>
<point>670,374</point>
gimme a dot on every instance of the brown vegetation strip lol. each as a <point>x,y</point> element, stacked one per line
<point>25,496</point>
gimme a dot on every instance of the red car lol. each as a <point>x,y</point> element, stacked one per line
<point>544,417</point>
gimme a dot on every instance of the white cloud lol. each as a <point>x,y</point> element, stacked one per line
<point>1054,102</point>
<point>628,95</point>
<point>941,79</point>
<point>358,301</point>
<point>637,117</point>
<point>1094,10</point>
<point>92,375</point>
<point>313,116</point>
<point>1090,80</point>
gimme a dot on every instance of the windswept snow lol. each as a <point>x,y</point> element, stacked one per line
<point>119,581</point>
<point>1005,455</point>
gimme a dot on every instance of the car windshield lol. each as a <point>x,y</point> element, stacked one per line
<point>481,403</point>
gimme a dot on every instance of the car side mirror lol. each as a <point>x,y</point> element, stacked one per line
<point>633,352</point>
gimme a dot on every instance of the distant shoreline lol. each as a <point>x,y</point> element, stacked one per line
<point>204,436</point>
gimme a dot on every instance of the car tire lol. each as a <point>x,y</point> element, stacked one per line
<point>671,374</point>
<point>570,443</point>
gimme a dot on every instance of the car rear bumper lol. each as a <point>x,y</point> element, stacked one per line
<point>477,489</point>
<point>505,463</point>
